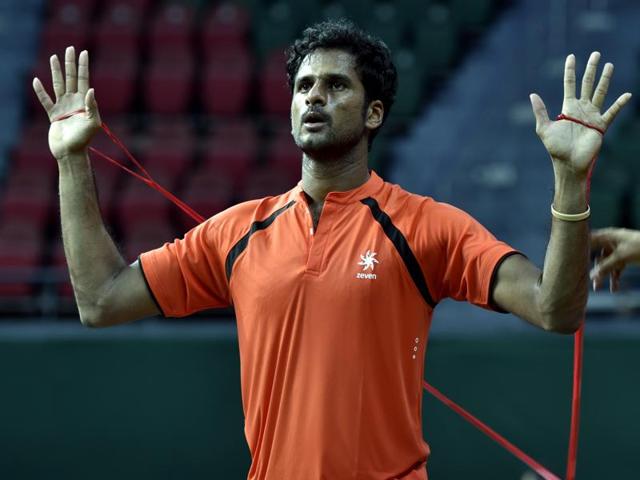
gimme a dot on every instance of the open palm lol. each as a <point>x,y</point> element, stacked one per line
<point>571,143</point>
<point>72,134</point>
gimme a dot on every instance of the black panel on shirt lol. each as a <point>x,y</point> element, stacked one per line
<point>403,248</point>
<point>241,244</point>
<point>153,297</point>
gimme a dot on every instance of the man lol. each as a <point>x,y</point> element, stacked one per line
<point>615,248</point>
<point>334,282</point>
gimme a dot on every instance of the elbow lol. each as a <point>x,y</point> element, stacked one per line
<point>563,322</point>
<point>91,318</point>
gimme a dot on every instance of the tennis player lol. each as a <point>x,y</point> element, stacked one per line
<point>334,282</point>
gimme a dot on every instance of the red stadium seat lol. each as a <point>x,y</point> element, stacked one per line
<point>274,92</point>
<point>114,83</point>
<point>207,192</point>
<point>231,150</point>
<point>226,82</point>
<point>20,253</point>
<point>168,88</point>
<point>59,263</point>
<point>138,202</point>
<point>119,28</point>
<point>172,27</point>
<point>146,235</point>
<point>66,28</point>
<point>32,154</point>
<point>283,153</point>
<point>267,181</point>
<point>226,26</point>
<point>167,156</point>
<point>81,9</point>
<point>27,196</point>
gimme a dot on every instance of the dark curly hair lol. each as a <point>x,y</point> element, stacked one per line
<point>372,56</point>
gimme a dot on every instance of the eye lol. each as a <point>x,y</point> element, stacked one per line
<point>304,86</point>
<point>337,85</point>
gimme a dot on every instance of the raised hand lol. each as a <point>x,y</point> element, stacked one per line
<point>616,248</point>
<point>70,136</point>
<point>573,145</point>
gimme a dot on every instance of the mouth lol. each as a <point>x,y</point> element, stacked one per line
<point>313,121</point>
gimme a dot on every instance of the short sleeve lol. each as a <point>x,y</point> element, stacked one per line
<point>188,275</point>
<point>470,257</point>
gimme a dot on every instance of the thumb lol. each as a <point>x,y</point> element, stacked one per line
<point>90,105</point>
<point>539,111</point>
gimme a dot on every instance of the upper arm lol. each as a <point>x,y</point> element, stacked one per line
<point>514,288</point>
<point>126,298</point>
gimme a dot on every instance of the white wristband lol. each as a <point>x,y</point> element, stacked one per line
<point>571,217</point>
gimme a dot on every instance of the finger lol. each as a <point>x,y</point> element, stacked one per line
<point>539,111</point>
<point>603,238</point>
<point>570,77</point>
<point>589,76</point>
<point>70,70</point>
<point>83,72</point>
<point>603,85</point>
<point>614,281</point>
<point>614,109</point>
<point>607,265</point>
<point>56,77</point>
<point>43,96</point>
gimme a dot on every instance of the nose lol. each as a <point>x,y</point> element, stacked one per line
<point>316,95</point>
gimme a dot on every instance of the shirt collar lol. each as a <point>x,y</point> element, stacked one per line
<point>367,189</point>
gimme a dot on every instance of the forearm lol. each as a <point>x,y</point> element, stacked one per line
<point>563,288</point>
<point>92,256</point>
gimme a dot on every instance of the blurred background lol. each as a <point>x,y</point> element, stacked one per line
<point>197,91</point>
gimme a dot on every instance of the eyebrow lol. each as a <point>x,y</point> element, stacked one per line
<point>327,77</point>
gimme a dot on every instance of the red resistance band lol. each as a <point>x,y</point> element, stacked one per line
<point>483,427</point>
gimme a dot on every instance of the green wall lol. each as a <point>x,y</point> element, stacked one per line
<point>139,406</point>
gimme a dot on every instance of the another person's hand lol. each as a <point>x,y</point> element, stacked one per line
<point>71,135</point>
<point>615,248</point>
<point>573,146</point>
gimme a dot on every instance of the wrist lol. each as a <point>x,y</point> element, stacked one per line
<point>570,194</point>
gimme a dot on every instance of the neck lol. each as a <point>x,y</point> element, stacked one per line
<point>321,176</point>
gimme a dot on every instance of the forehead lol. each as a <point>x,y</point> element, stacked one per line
<point>323,62</point>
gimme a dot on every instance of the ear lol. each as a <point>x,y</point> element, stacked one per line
<point>375,114</point>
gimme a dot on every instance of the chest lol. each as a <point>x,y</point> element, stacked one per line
<point>348,258</point>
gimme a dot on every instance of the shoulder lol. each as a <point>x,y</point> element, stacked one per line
<point>235,221</point>
<point>419,216</point>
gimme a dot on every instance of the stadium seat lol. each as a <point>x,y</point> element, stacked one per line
<point>114,84</point>
<point>172,27</point>
<point>471,15</point>
<point>274,91</point>
<point>67,27</point>
<point>118,29</point>
<point>226,26</point>
<point>386,23</point>
<point>167,156</point>
<point>27,195</point>
<point>207,191</point>
<point>231,150</point>
<point>32,153</point>
<point>285,156</point>
<point>20,253</point>
<point>411,84</point>
<point>436,39</point>
<point>274,30</point>
<point>168,88</point>
<point>146,235</point>
<point>267,181</point>
<point>226,83</point>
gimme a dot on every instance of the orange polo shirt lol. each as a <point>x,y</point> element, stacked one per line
<point>332,324</point>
